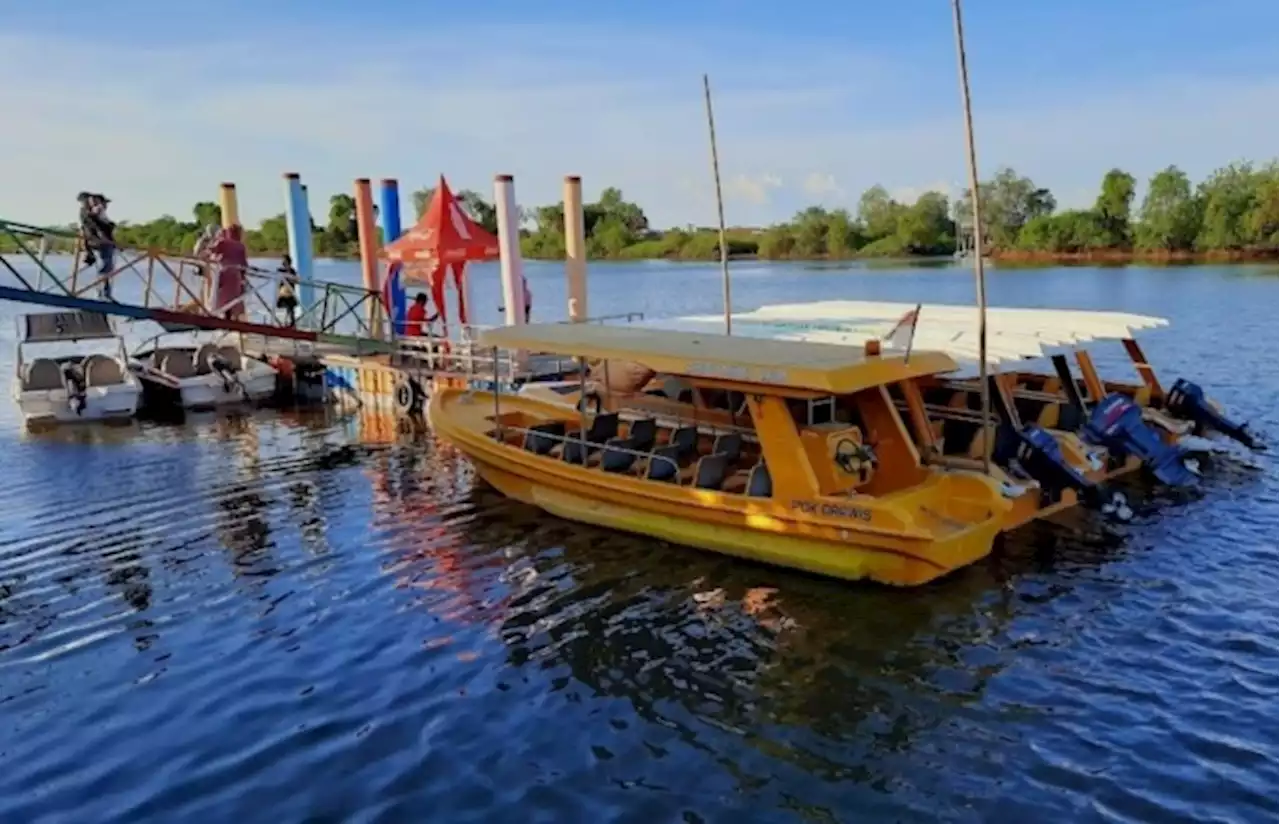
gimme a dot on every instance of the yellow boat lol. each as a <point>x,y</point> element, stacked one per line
<point>848,497</point>
<point>946,436</point>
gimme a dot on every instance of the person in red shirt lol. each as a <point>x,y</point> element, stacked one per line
<point>417,316</point>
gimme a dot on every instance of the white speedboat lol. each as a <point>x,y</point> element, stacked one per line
<point>202,377</point>
<point>73,388</point>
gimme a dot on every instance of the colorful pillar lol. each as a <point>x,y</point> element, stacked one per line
<point>504,197</point>
<point>229,205</point>
<point>393,289</point>
<point>367,233</point>
<point>298,226</point>
<point>575,249</point>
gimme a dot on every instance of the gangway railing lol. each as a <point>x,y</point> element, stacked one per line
<point>178,289</point>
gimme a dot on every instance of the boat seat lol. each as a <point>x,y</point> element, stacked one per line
<point>729,444</point>
<point>616,460</point>
<point>41,375</point>
<point>643,434</point>
<point>575,452</point>
<point>664,464</point>
<point>177,363</point>
<point>685,440</point>
<point>542,438</point>
<point>759,482</point>
<point>204,355</point>
<point>232,356</point>
<point>101,370</point>
<point>603,427</point>
<point>710,472</point>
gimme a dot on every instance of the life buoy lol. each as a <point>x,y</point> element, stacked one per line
<point>409,396</point>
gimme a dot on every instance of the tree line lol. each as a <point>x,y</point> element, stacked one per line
<point>1233,210</point>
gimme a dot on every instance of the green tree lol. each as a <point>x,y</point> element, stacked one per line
<point>878,213</point>
<point>1008,203</point>
<point>1170,217</point>
<point>1228,199</point>
<point>342,218</point>
<point>1113,206</point>
<point>1263,219</point>
<point>207,214</point>
<point>842,238</point>
<point>926,228</point>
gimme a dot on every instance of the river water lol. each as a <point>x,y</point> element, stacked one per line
<point>305,617</point>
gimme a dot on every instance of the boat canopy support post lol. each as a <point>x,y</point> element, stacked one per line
<point>1145,370</point>
<point>1069,386</point>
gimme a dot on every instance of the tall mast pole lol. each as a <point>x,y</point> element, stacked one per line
<point>978,270</point>
<point>724,246</point>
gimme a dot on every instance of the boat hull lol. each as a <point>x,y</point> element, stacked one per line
<point>102,403</point>
<point>768,530</point>
<point>202,392</point>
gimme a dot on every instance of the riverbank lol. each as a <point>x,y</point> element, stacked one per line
<point>1125,256</point>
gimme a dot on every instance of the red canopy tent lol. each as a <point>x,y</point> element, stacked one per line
<point>444,237</point>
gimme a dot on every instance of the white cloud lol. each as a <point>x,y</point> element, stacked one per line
<point>822,185</point>
<point>909,194</point>
<point>754,189</point>
<point>159,128</point>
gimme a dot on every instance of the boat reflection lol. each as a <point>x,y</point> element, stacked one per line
<point>787,662</point>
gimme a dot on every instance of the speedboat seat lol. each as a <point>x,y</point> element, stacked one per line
<point>204,358</point>
<point>664,464</point>
<point>543,437</point>
<point>685,440</point>
<point>643,434</point>
<point>619,455</point>
<point>42,375</point>
<point>729,444</point>
<point>760,483</point>
<point>230,354</point>
<point>178,364</point>
<point>101,370</point>
<point>710,471</point>
<point>603,427</point>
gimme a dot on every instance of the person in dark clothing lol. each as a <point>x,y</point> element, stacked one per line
<point>99,236</point>
<point>286,293</point>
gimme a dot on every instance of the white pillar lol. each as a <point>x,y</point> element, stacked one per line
<point>504,198</point>
<point>575,249</point>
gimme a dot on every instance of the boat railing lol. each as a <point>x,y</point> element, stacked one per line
<point>502,430</point>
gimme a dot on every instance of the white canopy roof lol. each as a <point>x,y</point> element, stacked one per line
<point>1012,334</point>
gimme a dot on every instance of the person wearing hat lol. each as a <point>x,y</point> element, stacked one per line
<point>99,236</point>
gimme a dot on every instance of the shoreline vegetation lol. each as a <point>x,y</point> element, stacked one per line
<point>1231,216</point>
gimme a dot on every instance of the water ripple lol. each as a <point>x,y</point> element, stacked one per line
<point>266,619</point>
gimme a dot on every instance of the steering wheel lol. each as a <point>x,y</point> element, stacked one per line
<point>850,455</point>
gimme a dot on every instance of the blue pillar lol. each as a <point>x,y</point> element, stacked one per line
<point>389,217</point>
<point>309,294</point>
<point>298,225</point>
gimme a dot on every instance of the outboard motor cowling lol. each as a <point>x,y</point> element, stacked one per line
<point>74,381</point>
<point>1117,424</point>
<point>1188,401</point>
<point>1037,453</point>
<point>223,369</point>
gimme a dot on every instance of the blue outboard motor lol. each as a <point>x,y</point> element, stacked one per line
<point>1037,454</point>
<point>1117,424</point>
<point>1187,401</point>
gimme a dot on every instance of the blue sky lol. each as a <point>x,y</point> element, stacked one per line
<point>815,101</point>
